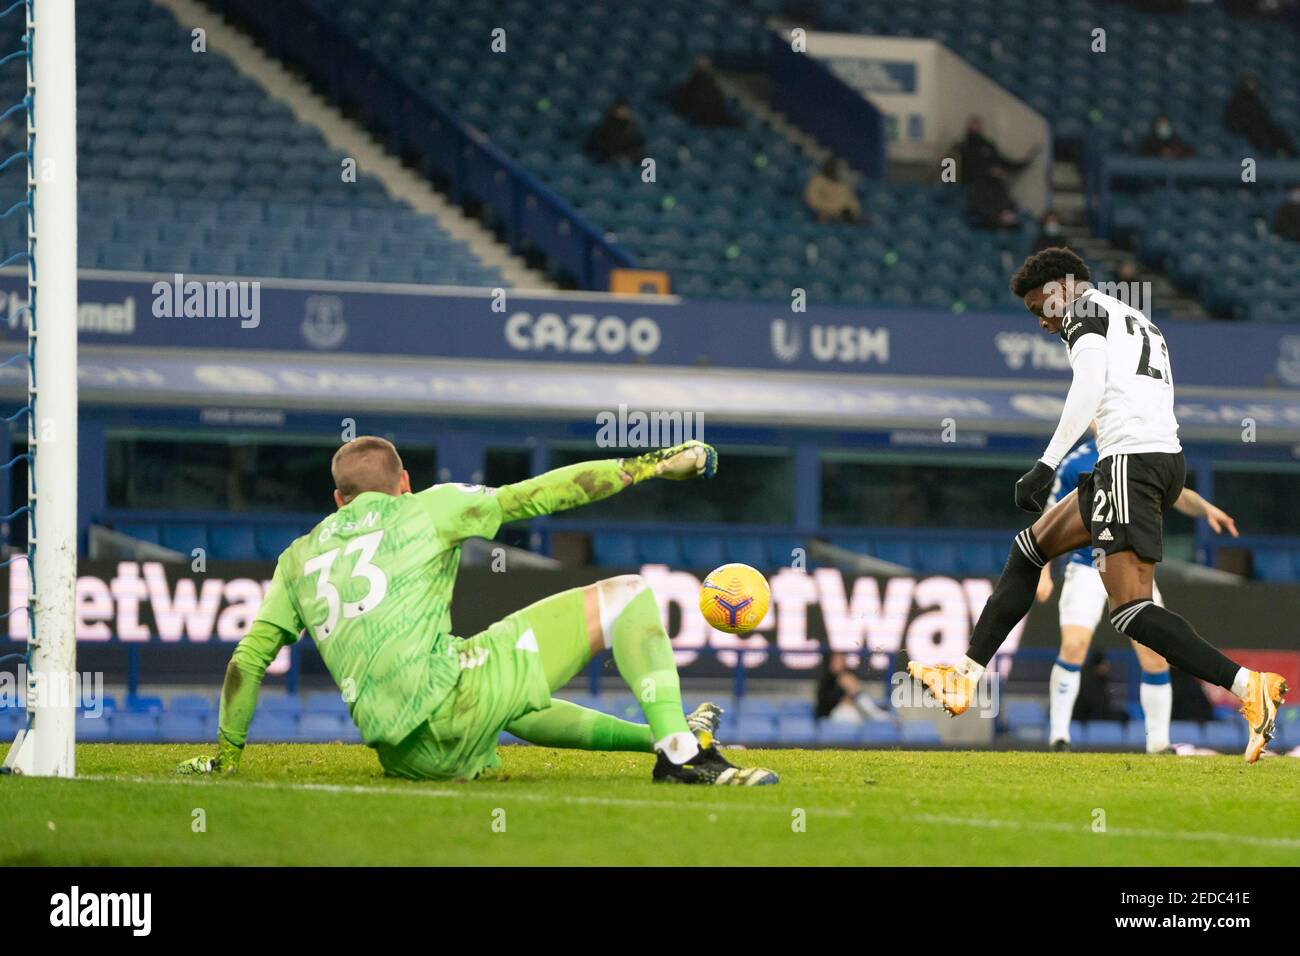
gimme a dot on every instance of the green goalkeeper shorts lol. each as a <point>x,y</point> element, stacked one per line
<point>501,679</point>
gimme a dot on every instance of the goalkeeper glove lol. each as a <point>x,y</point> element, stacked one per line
<point>1034,486</point>
<point>687,460</point>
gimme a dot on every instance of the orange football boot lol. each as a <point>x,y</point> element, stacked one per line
<point>1264,694</point>
<point>955,691</point>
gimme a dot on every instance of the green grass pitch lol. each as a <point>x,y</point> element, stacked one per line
<point>329,805</point>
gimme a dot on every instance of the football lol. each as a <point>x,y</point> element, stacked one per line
<point>734,598</point>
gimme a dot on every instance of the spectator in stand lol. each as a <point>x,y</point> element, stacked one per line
<point>829,195</point>
<point>1049,232</point>
<point>980,157</point>
<point>1246,114</point>
<point>988,202</point>
<point>841,696</point>
<point>618,135</point>
<point>1286,220</point>
<point>700,99</point>
<point>1163,143</point>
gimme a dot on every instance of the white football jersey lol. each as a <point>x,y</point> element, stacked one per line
<point>1137,408</point>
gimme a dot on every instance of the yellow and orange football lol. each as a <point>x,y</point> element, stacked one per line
<point>734,598</point>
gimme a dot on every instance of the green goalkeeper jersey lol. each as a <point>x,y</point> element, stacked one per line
<point>372,584</point>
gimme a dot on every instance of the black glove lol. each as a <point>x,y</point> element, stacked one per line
<point>1034,487</point>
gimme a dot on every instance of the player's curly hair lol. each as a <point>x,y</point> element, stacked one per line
<point>1049,265</point>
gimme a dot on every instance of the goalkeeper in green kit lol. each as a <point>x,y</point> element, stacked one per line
<point>372,584</point>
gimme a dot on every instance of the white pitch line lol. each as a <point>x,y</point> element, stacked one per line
<point>470,792</point>
<point>1206,836</point>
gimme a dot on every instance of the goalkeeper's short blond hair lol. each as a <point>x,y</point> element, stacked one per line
<point>367,463</point>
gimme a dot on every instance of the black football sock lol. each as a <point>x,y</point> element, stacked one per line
<point>1175,640</point>
<point>1011,599</point>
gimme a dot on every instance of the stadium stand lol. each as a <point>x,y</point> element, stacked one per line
<point>754,720</point>
<point>724,215</point>
<point>187,165</point>
<point>1184,65</point>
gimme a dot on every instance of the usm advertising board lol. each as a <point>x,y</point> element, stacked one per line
<point>195,313</point>
<point>183,624</point>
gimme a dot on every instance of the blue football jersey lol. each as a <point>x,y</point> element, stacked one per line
<point>1083,459</point>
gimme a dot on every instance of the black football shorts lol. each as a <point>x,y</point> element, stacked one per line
<point>1124,498</point>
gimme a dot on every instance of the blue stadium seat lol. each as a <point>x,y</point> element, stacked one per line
<point>1273,564</point>
<point>935,557</point>
<point>185,538</point>
<point>233,542</point>
<point>143,530</point>
<point>660,549</point>
<point>1186,732</point>
<point>325,702</point>
<point>794,707</point>
<point>895,551</point>
<point>920,732</point>
<point>1225,735</point>
<point>796,730</point>
<point>755,730</point>
<point>980,558</point>
<point>133,727</point>
<point>190,704</point>
<point>321,727</point>
<point>833,733</point>
<point>144,705</point>
<point>95,729</point>
<point>701,552</point>
<point>745,549</point>
<point>613,550</point>
<point>270,727</point>
<point>880,732</point>
<point>272,539</point>
<point>1287,734</point>
<point>178,727</point>
<point>781,551</point>
<point>755,706</point>
<point>1105,733</point>
<point>285,704</point>
<point>1025,713</point>
<point>1078,732</point>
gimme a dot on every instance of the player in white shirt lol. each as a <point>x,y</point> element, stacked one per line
<point>1122,378</point>
<point>1083,602</point>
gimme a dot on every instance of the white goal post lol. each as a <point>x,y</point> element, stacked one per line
<point>46,746</point>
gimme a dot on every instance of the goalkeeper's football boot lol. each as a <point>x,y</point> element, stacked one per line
<point>955,691</point>
<point>711,768</point>
<point>1264,694</point>
<point>703,722</point>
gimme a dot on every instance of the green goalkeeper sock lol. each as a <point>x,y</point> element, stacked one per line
<point>644,657</point>
<point>565,724</point>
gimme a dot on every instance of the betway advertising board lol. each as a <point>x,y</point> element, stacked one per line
<point>199,313</point>
<point>184,620</point>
